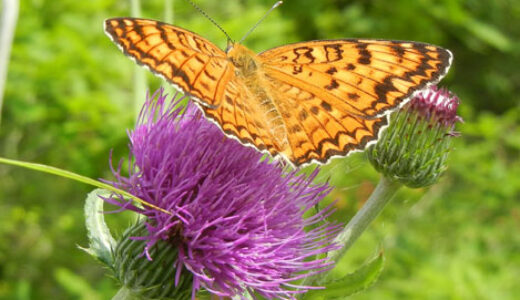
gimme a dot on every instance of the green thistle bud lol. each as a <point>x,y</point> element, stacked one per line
<point>414,148</point>
<point>144,278</point>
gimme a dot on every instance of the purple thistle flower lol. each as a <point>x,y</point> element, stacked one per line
<point>237,221</point>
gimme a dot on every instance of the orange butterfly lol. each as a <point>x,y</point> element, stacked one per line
<point>306,101</point>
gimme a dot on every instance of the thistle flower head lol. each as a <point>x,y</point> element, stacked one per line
<point>414,148</point>
<point>437,106</point>
<point>236,220</point>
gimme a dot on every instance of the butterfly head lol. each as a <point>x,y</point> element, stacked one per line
<point>242,58</point>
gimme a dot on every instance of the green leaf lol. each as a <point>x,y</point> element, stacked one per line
<point>101,241</point>
<point>79,178</point>
<point>352,283</point>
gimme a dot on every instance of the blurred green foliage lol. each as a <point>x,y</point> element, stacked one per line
<point>67,104</point>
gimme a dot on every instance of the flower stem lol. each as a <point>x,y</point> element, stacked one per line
<point>384,192</point>
<point>125,293</point>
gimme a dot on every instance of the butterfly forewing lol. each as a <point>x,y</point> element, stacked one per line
<point>363,77</point>
<point>185,59</point>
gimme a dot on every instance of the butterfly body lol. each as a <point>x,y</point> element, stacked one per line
<point>306,102</point>
<point>264,100</point>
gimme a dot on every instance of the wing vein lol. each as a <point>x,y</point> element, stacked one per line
<point>200,72</point>
<point>144,37</point>
<point>218,84</point>
<point>180,68</point>
<point>147,53</point>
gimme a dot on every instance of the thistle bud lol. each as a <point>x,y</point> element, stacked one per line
<point>414,148</point>
<point>149,279</point>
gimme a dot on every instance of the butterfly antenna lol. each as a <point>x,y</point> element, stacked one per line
<point>209,18</point>
<point>260,21</point>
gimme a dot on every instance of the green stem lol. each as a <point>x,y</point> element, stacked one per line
<point>383,193</point>
<point>125,293</point>
<point>77,177</point>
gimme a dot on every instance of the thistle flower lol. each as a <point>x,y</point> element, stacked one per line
<point>236,222</point>
<point>414,148</point>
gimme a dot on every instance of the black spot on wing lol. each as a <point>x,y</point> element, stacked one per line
<point>365,57</point>
<point>326,106</point>
<point>353,96</point>
<point>332,85</point>
<point>303,115</point>
<point>331,70</point>
<point>350,67</point>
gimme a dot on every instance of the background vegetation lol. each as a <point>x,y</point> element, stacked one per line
<point>69,99</point>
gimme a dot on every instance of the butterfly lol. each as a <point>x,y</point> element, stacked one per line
<point>305,102</point>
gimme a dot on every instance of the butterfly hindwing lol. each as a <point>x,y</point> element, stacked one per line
<point>241,121</point>
<point>188,61</point>
<point>317,133</point>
